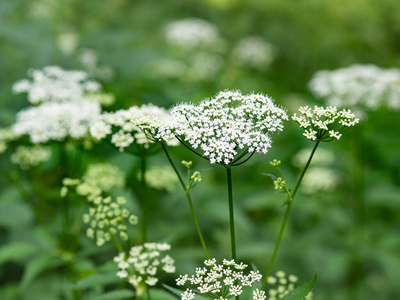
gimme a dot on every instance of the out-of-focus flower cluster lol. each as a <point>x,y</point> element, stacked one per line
<point>282,285</point>
<point>68,103</point>
<point>161,178</point>
<point>30,156</point>
<point>107,217</point>
<point>220,281</point>
<point>57,121</point>
<point>53,84</point>
<point>136,125</point>
<point>324,123</point>
<point>144,264</point>
<point>254,52</point>
<point>320,176</point>
<point>364,87</point>
<point>223,125</point>
<point>7,135</point>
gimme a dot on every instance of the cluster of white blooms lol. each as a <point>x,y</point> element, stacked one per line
<point>137,125</point>
<point>324,123</point>
<point>254,52</point>
<point>7,135</point>
<point>226,123</point>
<point>57,121</point>
<point>53,84</point>
<point>358,86</point>
<point>143,264</point>
<point>282,285</point>
<point>161,178</point>
<point>191,33</point>
<point>27,156</point>
<point>66,105</point>
<point>220,281</point>
<point>90,60</point>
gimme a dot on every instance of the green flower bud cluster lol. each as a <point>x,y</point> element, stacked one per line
<point>107,218</point>
<point>282,285</point>
<point>30,156</point>
<point>142,264</point>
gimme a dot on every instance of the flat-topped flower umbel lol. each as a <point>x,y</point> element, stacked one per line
<point>223,125</point>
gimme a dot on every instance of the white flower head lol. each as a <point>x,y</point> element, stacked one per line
<point>53,84</point>
<point>57,121</point>
<point>144,263</point>
<point>359,87</point>
<point>136,125</point>
<point>227,124</point>
<point>324,123</point>
<point>220,281</point>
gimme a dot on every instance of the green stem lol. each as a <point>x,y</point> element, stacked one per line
<point>231,214</point>
<point>116,243</point>
<point>286,217</point>
<point>143,202</point>
<point>189,198</point>
<point>148,293</point>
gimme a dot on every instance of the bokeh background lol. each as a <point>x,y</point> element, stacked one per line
<point>344,224</point>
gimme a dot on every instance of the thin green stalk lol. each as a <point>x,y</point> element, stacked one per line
<point>143,202</point>
<point>148,293</point>
<point>189,198</point>
<point>116,243</point>
<point>286,217</point>
<point>231,213</point>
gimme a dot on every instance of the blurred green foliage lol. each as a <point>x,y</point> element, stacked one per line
<point>350,236</point>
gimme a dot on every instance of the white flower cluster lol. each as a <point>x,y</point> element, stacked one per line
<point>53,84</point>
<point>223,125</point>
<point>137,125</point>
<point>324,123</point>
<point>57,121</point>
<point>191,33</point>
<point>27,157</point>
<point>254,52</point>
<point>220,282</point>
<point>67,105</point>
<point>358,86</point>
<point>282,285</point>
<point>143,263</point>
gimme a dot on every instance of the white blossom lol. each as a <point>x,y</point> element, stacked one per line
<point>137,125</point>
<point>324,123</point>
<point>363,87</point>
<point>220,281</point>
<point>57,121</point>
<point>226,124</point>
<point>144,263</point>
<point>53,84</point>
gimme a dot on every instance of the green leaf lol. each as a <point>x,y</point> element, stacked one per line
<point>272,176</point>
<point>300,292</point>
<point>114,295</point>
<point>37,266</point>
<point>97,280</point>
<point>16,252</point>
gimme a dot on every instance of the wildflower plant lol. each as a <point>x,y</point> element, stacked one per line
<point>144,265</point>
<point>220,281</point>
<point>30,156</point>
